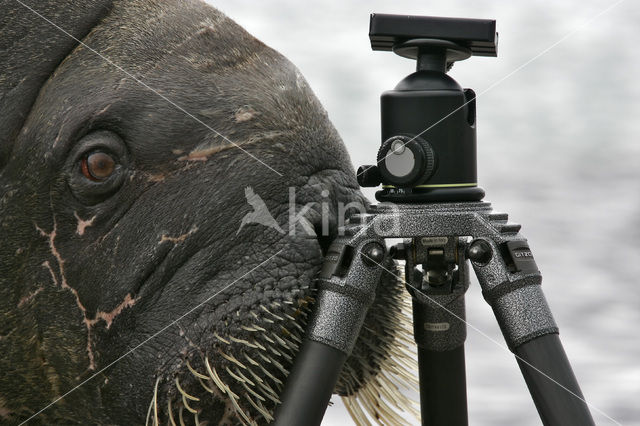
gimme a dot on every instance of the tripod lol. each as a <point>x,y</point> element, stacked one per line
<point>431,200</point>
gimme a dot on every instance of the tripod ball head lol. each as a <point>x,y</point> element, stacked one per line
<point>428,150</point>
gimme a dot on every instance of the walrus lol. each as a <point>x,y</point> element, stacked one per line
<point>134,285</point>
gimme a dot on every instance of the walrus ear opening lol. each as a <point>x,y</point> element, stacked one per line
<point>107,147</point>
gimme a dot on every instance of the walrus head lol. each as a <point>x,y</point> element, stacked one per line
<point>136,138</point>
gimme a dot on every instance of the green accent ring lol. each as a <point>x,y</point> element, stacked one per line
<point>442,185</point>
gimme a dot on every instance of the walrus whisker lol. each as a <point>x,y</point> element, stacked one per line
<point>271,313</point>
<point>214,377</point>
<point>217,336</point>
<point>180,416</point>
<point>280,341</point>
<point>252,392</point>
<point>355,412</point>
<point>270,393</point>
<point>366,403</point>
<point>289,343</point>
<point>183,392</point>
<point>232,374</point>
<point>195,419</point>
<point>153,405</point>
<point>265,337</point>
<point>271,376</point>
<point>264,357</point>
<point>170,411</point>
<point>282,354</point>
<point>239,410</point>
<point>387,389</point>
<point>251,360</point>
<point>186,404</point>
<point>257,378</point>
<point>207,388</point>
<point>146,422</point>
<point>243,342</point>
<point>278,383</point>
<point>264,413</point>
<point>280,367</point>
<point>257,327</point>
<point>258,345</point>
<point>263,407</point>
<point>296,325</point>
<point>232,359</point>
<point>245,378</point>
<point>195,372</point>
<point>289,317</point>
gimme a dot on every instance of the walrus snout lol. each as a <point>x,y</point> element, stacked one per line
<point>239,371</point>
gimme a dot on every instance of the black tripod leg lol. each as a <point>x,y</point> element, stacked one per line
<point>440,339</point>
<point>510,283</point>
<point>310,384</point>
<point>551,382</point>
<point>346,289</point>
<point>443,393</point>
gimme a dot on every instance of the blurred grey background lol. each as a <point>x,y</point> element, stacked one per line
<point>559,150</point>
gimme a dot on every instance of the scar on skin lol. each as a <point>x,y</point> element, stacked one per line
<point>245,113</point>
<point>107,317</point>
<point>83,224</point>
<point>202,154</point>
<point>207,29</point>
<point>47,265</point>
<point>29,297</point>
<point>179,238</point>
<point>103,110</point>
<point>54,251</point>
<point>156,177</point>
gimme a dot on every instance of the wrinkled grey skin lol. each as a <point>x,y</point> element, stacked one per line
<point>89,270</point>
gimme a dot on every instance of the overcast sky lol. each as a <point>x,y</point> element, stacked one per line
<point>558,149</point>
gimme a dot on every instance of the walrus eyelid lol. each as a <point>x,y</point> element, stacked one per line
<point>97,167</point>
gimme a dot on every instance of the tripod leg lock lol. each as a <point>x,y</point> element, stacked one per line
<point>346,289</point>
<point>511,284</point>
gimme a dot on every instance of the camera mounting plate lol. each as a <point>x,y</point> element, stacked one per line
<point>389,32</point>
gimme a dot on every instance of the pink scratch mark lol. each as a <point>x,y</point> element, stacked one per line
<point>83,224</point>
<point>179,239</point>
<point>107,317</point>
<point>156,177</point>
<point>28,298</point>
<point>56,254</point>
<point>47,265</point>
<point>202,154</point>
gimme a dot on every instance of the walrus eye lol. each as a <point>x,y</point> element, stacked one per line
<point>98,166</point>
